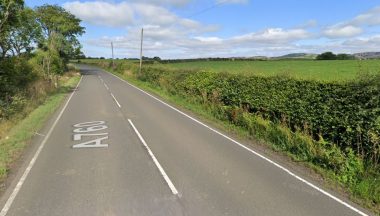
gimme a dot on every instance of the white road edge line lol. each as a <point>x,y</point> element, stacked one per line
<point>12,197</point>
<point>105,85</point>
<point>252,151</point>
<point>117,102</point>
<point>100,78</point>
<point>162,171</point>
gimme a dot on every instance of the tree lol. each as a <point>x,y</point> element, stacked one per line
<point>78,54</point>
<point>60,30</point>
<point>343,56</point>
<point>25,35</point>
<point>156,58</point>
<point>9,11</point>
<point>9,16</point>
<point>326,56</point>
<point>48,60</point>
<point>56,20</point>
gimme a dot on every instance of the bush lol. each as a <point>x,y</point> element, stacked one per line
<point>345,114</point>
<point>16,73</point>
<point>341,113</point>
<point>335,126</point>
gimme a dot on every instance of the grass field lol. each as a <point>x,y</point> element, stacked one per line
<point>301,69</point>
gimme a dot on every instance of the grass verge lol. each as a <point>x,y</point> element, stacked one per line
<point>12,145</point>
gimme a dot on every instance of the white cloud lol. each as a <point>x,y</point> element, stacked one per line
<point>370,18</point>
<point>273,35</point>
<point>172,42</point>
<point>209,39</point>
<point>168,35</point>
<point>369,43</point>
<point>342,31</point>
<point>152,14</point>
<point>354,26</point>
<point>132,14</point>
<point>102,13</point>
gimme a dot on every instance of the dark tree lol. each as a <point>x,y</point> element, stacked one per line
<point>327,56</point>
<point>344,56</point>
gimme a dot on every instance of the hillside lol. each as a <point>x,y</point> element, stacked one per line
<point>297,56</point>
<point>368,55</point>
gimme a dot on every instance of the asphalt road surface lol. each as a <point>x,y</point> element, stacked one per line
<point>116,150</point>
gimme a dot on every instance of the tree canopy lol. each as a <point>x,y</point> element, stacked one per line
<point>9,12</point>
<point>326,56</point>
<point>332,56</point>
<point>54,18</point>
<point>56,22</point>
<point>34,44</point>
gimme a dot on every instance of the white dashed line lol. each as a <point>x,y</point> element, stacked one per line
<point>117,102</point>
<point>162,171</point>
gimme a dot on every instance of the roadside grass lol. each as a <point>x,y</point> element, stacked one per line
<point>20,130</point>
<point>296,146</point>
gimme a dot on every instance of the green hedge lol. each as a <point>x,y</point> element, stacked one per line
<point>346,114</point>
<point>15,75</point>
<point>334,126</point>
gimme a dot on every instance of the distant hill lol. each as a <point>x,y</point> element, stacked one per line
<point>259,58</point>
<point>368,55</point>
<point>297,56</point>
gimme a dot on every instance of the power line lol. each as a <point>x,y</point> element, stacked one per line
<point>208,8</point>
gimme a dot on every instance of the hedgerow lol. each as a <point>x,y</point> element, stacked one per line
<point>335,126</point>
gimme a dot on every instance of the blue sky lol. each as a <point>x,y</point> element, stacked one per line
<point>225,28</point>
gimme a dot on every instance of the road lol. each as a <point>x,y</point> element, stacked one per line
<point>115,150</point>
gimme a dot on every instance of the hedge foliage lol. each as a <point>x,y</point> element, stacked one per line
<point>335,126</point>
<point>346,114</point>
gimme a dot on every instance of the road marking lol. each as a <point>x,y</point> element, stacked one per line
<point>84,129</point>
<point>78,137</point>
<point>162,171</point>
<point>96,143</point>
<point>39,134</point>
<point>105,85</point>
<point>12,197</point>
<point>250,150</point>
<point>108,89</point>
<point>117,102</point>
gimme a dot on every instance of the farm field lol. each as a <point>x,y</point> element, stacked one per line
<point>336,70</point>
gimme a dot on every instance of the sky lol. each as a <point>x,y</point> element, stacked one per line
<point>224,28</point>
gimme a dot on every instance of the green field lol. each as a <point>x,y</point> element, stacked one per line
<point>301,69</point>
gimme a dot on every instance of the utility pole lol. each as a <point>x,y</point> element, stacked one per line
<point>141,47</point>
<point>113,64</point>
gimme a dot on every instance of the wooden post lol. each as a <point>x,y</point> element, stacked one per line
<point>113,64</point>
<point>141,49</point>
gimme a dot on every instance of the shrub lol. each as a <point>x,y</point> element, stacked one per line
<point>335,126</point>
<point>341,113</point>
